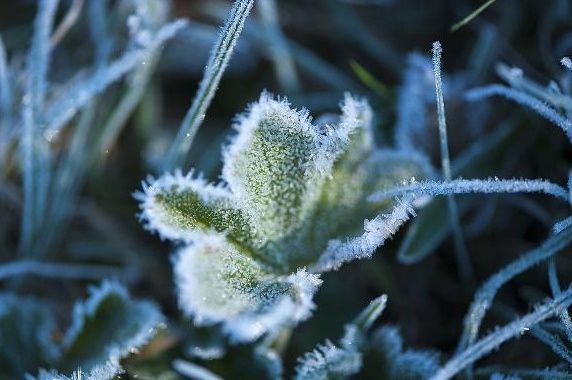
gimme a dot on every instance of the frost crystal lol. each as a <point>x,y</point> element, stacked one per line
<point>377,231</point>
<point>328,362</point>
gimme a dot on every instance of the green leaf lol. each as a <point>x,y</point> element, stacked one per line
<point>108,326</point>
<point>273,166</point>
<point>424,235</point>
<point>178,206</point>
<point>216,283</point>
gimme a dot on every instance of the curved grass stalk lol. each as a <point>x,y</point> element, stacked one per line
<point>78,97</point>
<point>128,102</point>
<point>485,295</point>
<point>517,80</point>
<point>472,15</point>
<point>474,186</point>
<point>553,342</point>
<point>307,60</point>
<point>541,374</point>
<point>476,351</point>
<point>6,103</point>
<point>6,100</point>
<point>562,225</point>
<point>67,23</point>
<point>526,100</point>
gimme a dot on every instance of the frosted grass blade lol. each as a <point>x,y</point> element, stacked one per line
<point>218,61</point>
<point>463,261</point>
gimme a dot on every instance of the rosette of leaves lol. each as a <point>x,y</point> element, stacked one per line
<point>254,244</point>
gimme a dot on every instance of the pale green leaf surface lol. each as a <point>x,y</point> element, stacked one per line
<point>178,206</point>
<point>344,206</point>
<point>273,166</point>
<point>217,283</point>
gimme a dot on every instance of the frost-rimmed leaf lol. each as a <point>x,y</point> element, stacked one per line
<point>216,283</point>
<point>176,206</point>
<point>400,363</point>
<point>108,326</point>
<point>26,328</point>
<point>343,206</point>
<point>328,361</point>
<point>277,162</point>
<point>105,371</point>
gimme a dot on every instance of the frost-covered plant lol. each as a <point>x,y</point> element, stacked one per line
<point>106,328</point>
<point>329,361</point>
<point>256,242</point>
<point>383,345</point>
